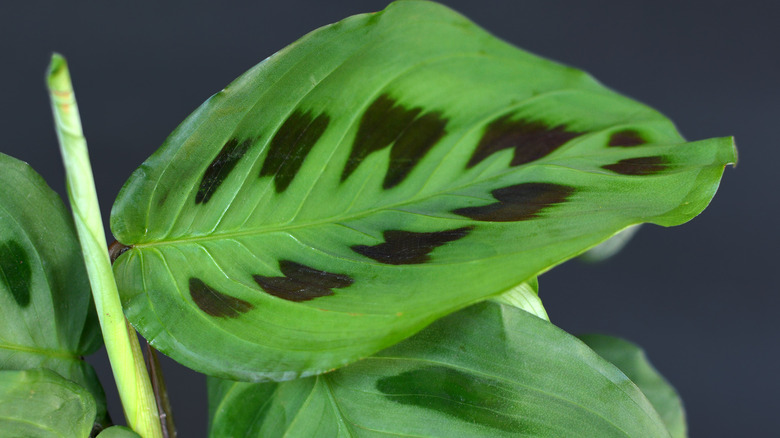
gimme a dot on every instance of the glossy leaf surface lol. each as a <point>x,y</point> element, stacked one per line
<point>632,361</point>
<point>46,317</point>
<point>374,176</point>
<point>41,403</point>
<point>489,370</point>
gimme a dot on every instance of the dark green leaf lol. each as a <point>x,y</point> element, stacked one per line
<point>633,362</point>
<point>489,370</point>
<point>46,316</point>
<point>41,403</point>
<point>376,175</point>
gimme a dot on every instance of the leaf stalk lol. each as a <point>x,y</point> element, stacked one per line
<point>124,351</point>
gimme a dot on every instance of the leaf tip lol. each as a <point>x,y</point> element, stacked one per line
<point>57,74</point>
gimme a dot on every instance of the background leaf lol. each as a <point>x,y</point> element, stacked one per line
<point>611,246</point>
<point>41,403</point>
<point>633,362</point>
<point>46,316</point>
<point>118,432</point>
<point>356,186</point>
<point>488,370</point>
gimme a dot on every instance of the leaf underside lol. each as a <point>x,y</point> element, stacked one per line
<point>489,370</point>
<point>46,315</point>
<point>374,176</point>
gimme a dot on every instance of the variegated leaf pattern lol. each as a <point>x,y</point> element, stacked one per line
<point>374,176</point>
<point>490,370</point>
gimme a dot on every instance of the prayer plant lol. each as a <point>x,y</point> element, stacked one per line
<point>346,240</point>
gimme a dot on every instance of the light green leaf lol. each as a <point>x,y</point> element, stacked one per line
<point>634,363</point>
<point>118,432</point>
<point>41,403</point>
<point>526,297</point>
<point>489,370</point>
<point>611,246</point>
<point>374,176</point>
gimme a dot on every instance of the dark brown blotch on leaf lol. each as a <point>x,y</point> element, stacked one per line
<point>410,131</point>
<point>220,168</point>
<point>518,202</point>
<point>215,303</point>
<point>626,138</point>
<point>640,166</point>
<point>409,248</point>
<point>290,146</point>
<point>301,282</point>
<point>531,140</point>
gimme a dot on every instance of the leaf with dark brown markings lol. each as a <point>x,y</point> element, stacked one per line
<point>404,164</point>
<point>301,282</point>
<point>412,145</point>
<point>519,202</point>
<point>291,145</point>
<point>220,168</point>
<point>411,133</point>
<point>530,139</point>
<point>409,248</point>
<point>626,138</point>
<point>215,303</point>
<point>639,166</point>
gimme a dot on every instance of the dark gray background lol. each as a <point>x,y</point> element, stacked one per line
<point>701,298</point>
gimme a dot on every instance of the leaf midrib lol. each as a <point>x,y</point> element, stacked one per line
<point>350,217</point>
<point>58,354</point>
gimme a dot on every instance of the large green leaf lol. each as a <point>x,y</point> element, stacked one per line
<point>489,370</point>
<point>46,316</point>
<point>634,363</point>
<point>374,176</point>
<point>40,403</point>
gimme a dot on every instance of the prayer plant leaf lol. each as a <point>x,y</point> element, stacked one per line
<point>46,315</point>
<point>376,175</point>
<point>41,403</point>
<point>488,370</point>
<point>632,361</point>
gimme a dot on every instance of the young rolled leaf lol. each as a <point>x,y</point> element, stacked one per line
<point>41,403</point>
<point>489,370</point>
<point>46,316</point>
<point>526,297</point>
<point>374,176</point>
<point>633,362</point>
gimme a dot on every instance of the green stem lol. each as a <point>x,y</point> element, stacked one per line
<point>122,346</point>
